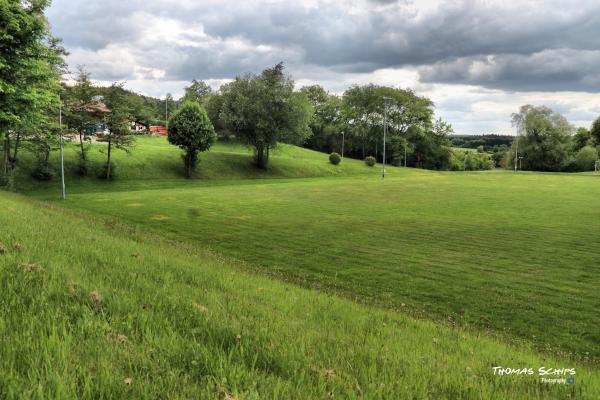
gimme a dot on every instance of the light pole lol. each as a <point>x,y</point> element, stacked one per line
<point>343,140</point>
<point>62,157</point>
<point>517,149</point>
<point>385,101</point>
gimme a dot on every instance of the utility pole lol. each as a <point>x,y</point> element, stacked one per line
<point>62,156</point>
<point>385,101</point>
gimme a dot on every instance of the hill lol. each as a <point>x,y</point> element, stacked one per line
<point>153,162</point>
<point>92,309</point>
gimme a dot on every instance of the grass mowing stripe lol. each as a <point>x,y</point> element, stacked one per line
<point>127,314</point>
<point>495,249</point>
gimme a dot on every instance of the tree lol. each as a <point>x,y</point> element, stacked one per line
<point>364,109</point>
<point>214,106</point>
<point>326,123</point>
<point>28,65</point>
<point>198,91</point>
<point>581,139</point>
<point>191,130</point>
<point>79,100</point>
<point>543,140</point>
<point>430,145</point>
<point>595,132</point>
<point>263,110</point>
<point>117,121</point>
<point>586,158</point>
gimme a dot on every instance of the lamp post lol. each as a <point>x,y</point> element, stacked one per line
<point>385,101</point>
<point>517,149</point>
<point>343,140</point>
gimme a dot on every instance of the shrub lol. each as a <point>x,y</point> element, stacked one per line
<point>586,159</point>
<point>335,158</point>
<point>42,173</point>
<point>370,161</point>
<point>102,170</point>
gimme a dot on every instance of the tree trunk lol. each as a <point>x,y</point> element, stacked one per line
<point>81,146</point>
<point>13,162</point>
<point>189,164</point>
<point>108,160</point>
<point>5,155</point>
<point>260,157</point>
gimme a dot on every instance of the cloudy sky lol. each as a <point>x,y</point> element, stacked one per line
<point>478,60</point>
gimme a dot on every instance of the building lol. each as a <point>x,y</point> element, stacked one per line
<point>158,130</point>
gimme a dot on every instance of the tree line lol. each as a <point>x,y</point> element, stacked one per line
<point>546,141</point>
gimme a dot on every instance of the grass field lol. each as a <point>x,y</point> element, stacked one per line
<point>96,310</point>
<point>509,263</point>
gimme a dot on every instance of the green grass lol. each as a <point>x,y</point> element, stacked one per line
<point>97,310</point>
<point>155,163</point>
<point>494,251</point>
<point>510,260</point>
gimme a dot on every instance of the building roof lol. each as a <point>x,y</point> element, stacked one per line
<point>97,108</point>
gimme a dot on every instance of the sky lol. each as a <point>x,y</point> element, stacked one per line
<point>478,60</point>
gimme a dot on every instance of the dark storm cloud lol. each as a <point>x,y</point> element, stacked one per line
<point>527,45</point>
<point>560,69</point>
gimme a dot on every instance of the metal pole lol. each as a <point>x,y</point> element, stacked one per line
<point>405,140</point>
<point>343,140</point>
<point>62,157</point>
<point>517,149</point>
<point>385,99</point>
<point>167,112</point>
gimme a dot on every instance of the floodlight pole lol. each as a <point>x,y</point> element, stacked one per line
<point>517,149</point>
<point>343,140</point>
<point>62,156</point>
<point>385,101</point>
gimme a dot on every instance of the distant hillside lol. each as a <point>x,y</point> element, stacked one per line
<point>487,141</point>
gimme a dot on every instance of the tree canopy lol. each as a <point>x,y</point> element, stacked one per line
<point>263,110</point>
<point>191,130</point>
<point>544,137</point>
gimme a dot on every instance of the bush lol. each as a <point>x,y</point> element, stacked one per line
<point>42,173</point>
<point>82,168</point>
<point>585,159</point>
<point>370,161</point>
<point>335,158</point>
<point>101,171</point>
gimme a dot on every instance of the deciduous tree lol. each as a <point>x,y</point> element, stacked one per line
<point>191,130</point>
<point>263,110</point>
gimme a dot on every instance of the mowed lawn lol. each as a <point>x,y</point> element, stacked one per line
<point>511,254</point>
<point>92,310</point>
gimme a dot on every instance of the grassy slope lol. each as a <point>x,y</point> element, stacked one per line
<point>86,307</point>
<point>155,163</point>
